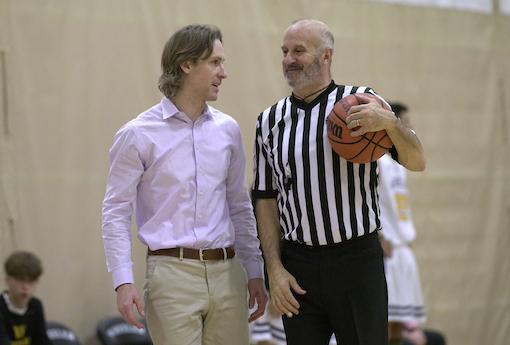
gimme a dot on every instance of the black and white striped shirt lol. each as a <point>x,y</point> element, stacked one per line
<point>322,198</point>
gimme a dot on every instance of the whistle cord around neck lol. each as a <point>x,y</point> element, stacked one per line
<point>314,93</point>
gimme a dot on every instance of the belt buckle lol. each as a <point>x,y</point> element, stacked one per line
<point>225,257</point>
<point>201,255</point>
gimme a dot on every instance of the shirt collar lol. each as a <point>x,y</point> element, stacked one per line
<point>12,308</point>
<point>322,96</point>
<point>169,108</point>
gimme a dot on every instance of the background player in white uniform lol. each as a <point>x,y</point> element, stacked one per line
<point>405,300</point>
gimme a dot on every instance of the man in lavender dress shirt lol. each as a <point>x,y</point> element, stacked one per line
<point>179,167</point>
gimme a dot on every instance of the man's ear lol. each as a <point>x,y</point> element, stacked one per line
<point>186,66</point>
<point>328,55</point>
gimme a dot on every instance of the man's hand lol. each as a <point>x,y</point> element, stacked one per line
<point>387,247</point>
<point>127,295</point>
<point>280,284</point>
<point>369,116</point>
<point>258,294</point>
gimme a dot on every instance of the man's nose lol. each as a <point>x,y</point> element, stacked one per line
<point>223,72</point>
<point>288,59</point>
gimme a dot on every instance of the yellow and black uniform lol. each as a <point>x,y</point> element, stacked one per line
<point>26,327</point>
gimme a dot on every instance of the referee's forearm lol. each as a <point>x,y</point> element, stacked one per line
<point>410,151</point>
<point>268,223</point>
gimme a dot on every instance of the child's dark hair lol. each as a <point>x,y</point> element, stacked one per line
<point>398,108</point>
<point>23,265</point>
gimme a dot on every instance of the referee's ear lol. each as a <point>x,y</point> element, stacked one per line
<point>327,56</point>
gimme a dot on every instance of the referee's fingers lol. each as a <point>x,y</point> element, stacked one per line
<point>289,304</point>
<point>297,289</point>
<point>285,304</point>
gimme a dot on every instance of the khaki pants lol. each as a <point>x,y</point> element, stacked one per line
<point>189,302</point>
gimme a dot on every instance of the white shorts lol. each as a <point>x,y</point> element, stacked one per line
<point>268,328</point>
<point>405,299</point>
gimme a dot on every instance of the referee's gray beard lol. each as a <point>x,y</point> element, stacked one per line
<point>307,76</point>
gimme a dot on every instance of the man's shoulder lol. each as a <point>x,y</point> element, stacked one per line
<point>35,304</point>
<point>349,89</point>
<point>273,107</point>
<point>217,113</point>
<point>148,118</point>
<point>222,118</point>
<point>154,113</point>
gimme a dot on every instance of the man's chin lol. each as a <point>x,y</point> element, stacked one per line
<point>212,97</point>
<point>292,82</point>
<point>295,84</point>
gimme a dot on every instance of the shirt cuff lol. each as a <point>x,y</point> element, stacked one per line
<point>122,275</point>
<point>254,270</point>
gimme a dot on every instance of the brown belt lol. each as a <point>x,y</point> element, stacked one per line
<point>197,254</point>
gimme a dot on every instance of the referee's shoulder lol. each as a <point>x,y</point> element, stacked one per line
<point>275,108</point>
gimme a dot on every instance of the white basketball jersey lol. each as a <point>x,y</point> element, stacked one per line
<point>396,221</point>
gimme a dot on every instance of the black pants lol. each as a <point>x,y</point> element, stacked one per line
<point>346,293</point>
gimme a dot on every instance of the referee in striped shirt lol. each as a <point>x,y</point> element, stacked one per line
<point>317,213</point>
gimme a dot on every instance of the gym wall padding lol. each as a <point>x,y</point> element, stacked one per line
<point>73,72</point>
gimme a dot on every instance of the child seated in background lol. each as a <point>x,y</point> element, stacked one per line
<point>21,315</point>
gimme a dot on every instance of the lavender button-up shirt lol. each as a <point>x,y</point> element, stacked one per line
<point>185,182</point>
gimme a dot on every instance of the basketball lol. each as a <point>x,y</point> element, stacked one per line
<point>363,149</point>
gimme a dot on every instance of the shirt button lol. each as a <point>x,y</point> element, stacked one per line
<point>200,170</point>
<point>199,216</point>
<point>201,193</point>
<point>198,146</point>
